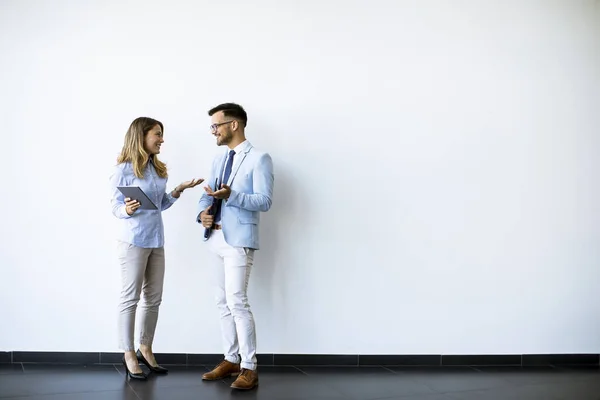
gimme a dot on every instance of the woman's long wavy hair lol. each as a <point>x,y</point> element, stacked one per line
<point>133,149</point>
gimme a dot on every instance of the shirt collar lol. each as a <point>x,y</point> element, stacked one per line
<point>240,147</point>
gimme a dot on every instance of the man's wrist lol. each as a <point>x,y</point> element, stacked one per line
<point>230,196</point>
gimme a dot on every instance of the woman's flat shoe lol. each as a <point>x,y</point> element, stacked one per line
<point>141,376</point>
<point>158,369</point>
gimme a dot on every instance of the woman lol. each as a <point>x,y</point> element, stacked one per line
<point>141,239</point>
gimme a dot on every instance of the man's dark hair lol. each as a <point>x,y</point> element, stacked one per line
<point>231,110</point>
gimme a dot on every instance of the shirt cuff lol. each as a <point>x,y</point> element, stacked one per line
<point>123,211</point>
<point>171,198</point>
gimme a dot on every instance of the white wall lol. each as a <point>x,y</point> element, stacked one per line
<point>436,179</point>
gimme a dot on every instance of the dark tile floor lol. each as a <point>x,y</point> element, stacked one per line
<point>108,382</point>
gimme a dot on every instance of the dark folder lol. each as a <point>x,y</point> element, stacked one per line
<point>212,210</point>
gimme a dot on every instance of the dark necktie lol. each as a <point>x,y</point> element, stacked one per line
<point>225,179</point>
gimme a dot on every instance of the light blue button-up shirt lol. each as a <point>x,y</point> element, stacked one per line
<point>145,227</point>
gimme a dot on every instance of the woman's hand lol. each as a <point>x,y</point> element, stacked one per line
<point>131,206</point>
<point>186,185</point>
<point>189,184</point>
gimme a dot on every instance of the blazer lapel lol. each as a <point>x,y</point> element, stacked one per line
<point>242,156</point>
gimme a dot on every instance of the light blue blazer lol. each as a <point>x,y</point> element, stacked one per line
<point>251,183</point>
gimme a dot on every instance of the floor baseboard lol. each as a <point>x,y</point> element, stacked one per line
<point>355,360</point>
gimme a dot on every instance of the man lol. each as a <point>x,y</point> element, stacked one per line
<point>230,213</point>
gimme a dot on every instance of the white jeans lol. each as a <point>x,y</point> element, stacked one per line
<point>237,322</point>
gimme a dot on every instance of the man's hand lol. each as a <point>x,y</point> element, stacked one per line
<point>222,193</point>
<point>131,206</point>
<point>207,220</point>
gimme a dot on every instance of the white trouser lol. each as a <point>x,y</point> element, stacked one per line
<point>231,278</point>
<point>142,271</point>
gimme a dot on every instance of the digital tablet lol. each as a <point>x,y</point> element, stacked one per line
<point>135,193</point>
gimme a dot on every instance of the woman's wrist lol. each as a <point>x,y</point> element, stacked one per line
<point>177,192</point>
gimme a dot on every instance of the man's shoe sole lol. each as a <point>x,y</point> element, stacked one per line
<point>241,388</point>
<point>219,378</point>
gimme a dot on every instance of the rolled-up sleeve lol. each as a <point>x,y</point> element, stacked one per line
<point>167,201</point>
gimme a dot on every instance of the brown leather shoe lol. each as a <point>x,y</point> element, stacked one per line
<point>248,379</point>
<point>224,370</point>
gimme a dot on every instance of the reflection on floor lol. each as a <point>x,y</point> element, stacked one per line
<point>107,382</point>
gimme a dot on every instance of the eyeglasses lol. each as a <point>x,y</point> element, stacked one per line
<point>214,127</point>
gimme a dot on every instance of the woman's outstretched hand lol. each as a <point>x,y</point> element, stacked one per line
<point>186,185</point>
<point>190,184</point>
